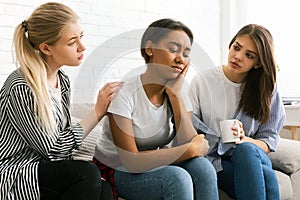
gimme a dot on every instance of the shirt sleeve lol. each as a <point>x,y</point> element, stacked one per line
<point>54,146</point>
<point>186,100</point>
<point>194,94</point>
<point>269,132</point>
<point>122,105</point>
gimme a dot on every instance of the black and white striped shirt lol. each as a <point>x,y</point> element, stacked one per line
<point>23,142</point>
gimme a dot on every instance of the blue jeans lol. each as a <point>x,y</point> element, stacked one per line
<point>192,179</point>
<point>248,174</point>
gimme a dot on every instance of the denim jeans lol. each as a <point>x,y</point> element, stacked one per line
<point>249,174</point>
<point>192,179</point>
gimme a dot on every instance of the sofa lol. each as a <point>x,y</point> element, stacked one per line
<point>285,161</point>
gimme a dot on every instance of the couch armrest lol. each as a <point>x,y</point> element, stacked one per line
<point>287,156</point>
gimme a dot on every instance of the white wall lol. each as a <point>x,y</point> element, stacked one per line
<point>103,20</point>
<point>282,22</point>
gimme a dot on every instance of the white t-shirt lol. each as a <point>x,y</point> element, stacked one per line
<point>152,125</point>
<point>214,96</point>
<point>56,95</point>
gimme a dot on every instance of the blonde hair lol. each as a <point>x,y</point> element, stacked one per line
<point>45,25</point>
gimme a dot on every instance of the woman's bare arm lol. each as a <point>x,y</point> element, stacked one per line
<point>141,161</point>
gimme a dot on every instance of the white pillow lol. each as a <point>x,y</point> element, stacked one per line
<point>286,158</point>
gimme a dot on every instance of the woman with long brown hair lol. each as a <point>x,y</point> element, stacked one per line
<point>244,89</point>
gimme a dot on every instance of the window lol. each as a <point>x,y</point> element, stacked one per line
<point>281,19</point>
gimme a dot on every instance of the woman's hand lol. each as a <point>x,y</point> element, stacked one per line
<point>173,87</point>
<point>243,138</point>
<point>105,95</point>
<point>199,146</point>
<point>239,131</point>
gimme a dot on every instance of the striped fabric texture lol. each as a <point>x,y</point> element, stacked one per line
<point>23,142</point>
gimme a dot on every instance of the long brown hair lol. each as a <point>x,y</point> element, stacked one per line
<point>45,25</point>
<point>261,80</point>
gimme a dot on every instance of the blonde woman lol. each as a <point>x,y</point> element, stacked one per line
<point>37,136</point>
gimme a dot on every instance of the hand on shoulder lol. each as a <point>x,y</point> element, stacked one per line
<point>105,95</point>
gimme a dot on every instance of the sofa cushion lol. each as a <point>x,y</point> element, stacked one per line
<point>295,178</point>
<point>285,185</point>
<point>285,158</point>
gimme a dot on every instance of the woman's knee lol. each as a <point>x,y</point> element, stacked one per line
<point>245,148</point>
<point>249,151</point>
<point>90,173</point>
<point>71,179</point>
<point>84,173</point>
<point>201,168</point>
<point>179,177</point>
